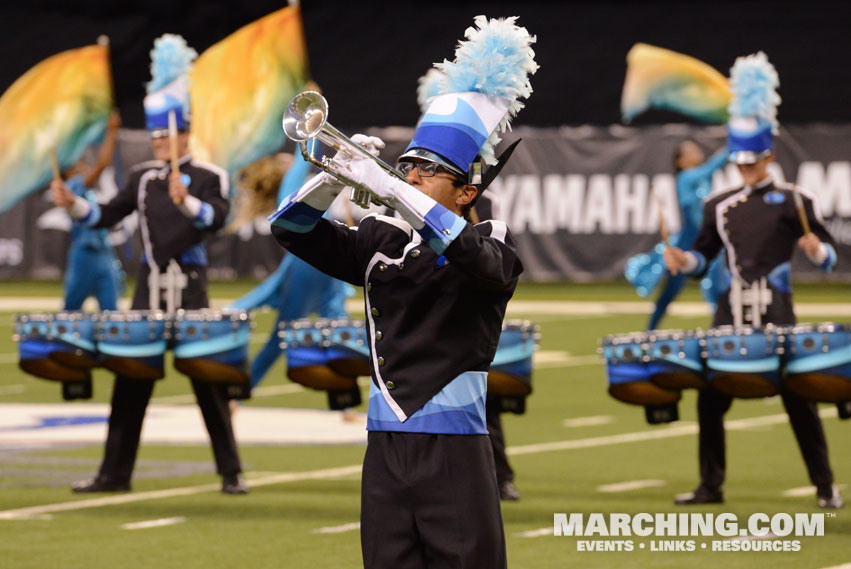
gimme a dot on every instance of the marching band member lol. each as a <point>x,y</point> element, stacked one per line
<point>694,184</point>
<point>92,268</point>
<point>758,225</point>
<point>177,211</point>
<point>297,290</point>
<point>435,291</point>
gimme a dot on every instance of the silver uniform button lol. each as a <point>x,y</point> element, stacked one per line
<point>382,267</point>
<point>415,253</point>
<point>401,266</point>
<point>380,361</point>
<point>379,334</point>
<point>368,287</point>
<point>390,384</point>
<point>375,311</point>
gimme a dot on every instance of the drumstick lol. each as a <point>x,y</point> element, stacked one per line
<point>802,214</point>
<point>663,228</point>
<point>172,139</point>
<point>57,174</point>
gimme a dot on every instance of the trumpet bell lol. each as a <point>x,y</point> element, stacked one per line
<point>305,116</point>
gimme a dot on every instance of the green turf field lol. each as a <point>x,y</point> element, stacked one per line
<point>276,526</point>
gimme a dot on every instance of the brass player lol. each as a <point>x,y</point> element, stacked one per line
<point>436,288</point>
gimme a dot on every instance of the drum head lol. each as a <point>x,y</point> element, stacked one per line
<point>211,371</point>
<point>507,385</point>
<point>743,385</point>
<point>134,369</point>
<point>79,359</point>
<point>321,377</point>
<point>46,368</point>
<point>643,393</point>
<point>677,380</point>
<point>823,387</point>
<point>350,367</point>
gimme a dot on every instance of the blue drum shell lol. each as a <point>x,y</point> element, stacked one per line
<point>510,373</point>
<point>312,353</point>
<point>212,345</point>
<point>133,344</point>
<point>629,376</point>
<point>818,362</point>
<point>58,346</point>
<point>674,359</point>
<point>744,362</point>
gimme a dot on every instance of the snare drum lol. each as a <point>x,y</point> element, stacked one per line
<point>743,361</point>
<point>309,353</point>
<point>674,358</point>
<point>510,373</point>
<point>56,346</point>
<point>818,361</point>
<point>212,345</point>
<point>628,373</point>
<point>133,344</point>
<point>349,350</point>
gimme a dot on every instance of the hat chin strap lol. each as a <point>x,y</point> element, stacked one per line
<point>475,170</point>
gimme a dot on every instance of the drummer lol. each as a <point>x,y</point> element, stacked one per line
<point>758,225</point>
<point>176,214</point>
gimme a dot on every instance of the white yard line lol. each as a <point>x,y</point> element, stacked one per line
<point>803,491</point>
<point>267,391</point>
<point>630,485</point>
<point>544,359</point>
<point>154,523</point>
<point>515,307</point>
<point>338,529</point>
<point>670,432</point>
<point>280,478</point>
<point>536,532</point>
<point>591,421</point>
<point>13,389</point>
<point>343,471</point>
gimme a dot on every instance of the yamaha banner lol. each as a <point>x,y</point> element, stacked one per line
<point>579,200</point>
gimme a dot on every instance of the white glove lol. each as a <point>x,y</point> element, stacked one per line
<point>318,192</point>
<point>371,144</point>
<point>409,202</point>
<point>342,160</point>
<point>368,173</point>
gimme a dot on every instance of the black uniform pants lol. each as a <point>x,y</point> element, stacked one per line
<point>493,412</point>
<point>430,501</point>
<point>130,399</point>
<point>803,414</point>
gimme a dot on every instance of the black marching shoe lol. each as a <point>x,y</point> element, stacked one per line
<point>701,495</point>
<point>830,499</point>
<point>99,484</point>
<point>234,484</point>
<point>508,492</point>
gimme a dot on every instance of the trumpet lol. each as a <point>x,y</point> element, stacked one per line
<point>305,119</point>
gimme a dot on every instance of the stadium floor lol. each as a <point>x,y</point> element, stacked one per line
<point>576,450</point>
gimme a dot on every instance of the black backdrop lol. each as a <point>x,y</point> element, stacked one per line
<point>368,55</point>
